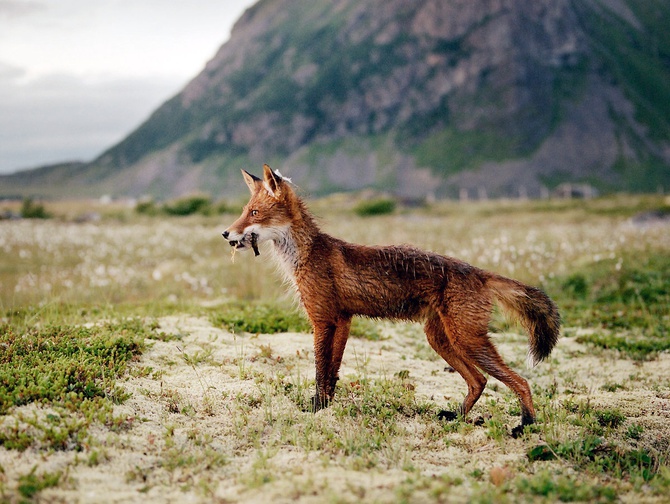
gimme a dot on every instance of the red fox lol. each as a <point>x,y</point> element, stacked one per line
<point>336,280</point>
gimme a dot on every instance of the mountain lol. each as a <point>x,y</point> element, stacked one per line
<point>411,96</point>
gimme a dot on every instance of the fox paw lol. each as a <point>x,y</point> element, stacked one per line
<point>448,416</point>
<point>318,403</point>
<point>479,421</point>
<point>519,429</point>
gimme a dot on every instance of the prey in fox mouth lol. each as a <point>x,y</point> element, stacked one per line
<point>253,241</point>
<point>254,244</point>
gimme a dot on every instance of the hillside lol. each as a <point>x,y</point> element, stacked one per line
<point>413,97</point>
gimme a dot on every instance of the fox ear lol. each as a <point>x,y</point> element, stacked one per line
<point>272,181</point>
<point>251,181</point>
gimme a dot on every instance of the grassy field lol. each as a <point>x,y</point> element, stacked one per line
<point>139,363</point>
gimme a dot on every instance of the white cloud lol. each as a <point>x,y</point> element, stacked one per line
<point>10,72</point>
<point>78,75</point>
<point>59,118</point>
<point>13,9</point>
<point>115,37</point>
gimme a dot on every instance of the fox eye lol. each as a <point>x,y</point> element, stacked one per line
<point>254,213</point>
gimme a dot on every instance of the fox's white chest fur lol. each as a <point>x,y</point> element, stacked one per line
<point>286,256</point>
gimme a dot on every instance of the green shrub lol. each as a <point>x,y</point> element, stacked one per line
<point>189,205</point>
<point>260,318</point>
<point>147,207</point>
<point>271,319</point>
<point>57,364</point>
<point>32,210</point>
<point>378,206</point>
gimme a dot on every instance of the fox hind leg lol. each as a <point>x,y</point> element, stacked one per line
<point>488,359</point>
<point>476,381</point>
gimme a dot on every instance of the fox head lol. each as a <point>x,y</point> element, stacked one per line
<point>267,215</point>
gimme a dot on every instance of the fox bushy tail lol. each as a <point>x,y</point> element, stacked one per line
<point>536,312</point>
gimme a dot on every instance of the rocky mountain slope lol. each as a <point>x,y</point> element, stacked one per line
<point>478,96</point>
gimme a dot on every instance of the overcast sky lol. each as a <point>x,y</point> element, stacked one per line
<point>76,76</point>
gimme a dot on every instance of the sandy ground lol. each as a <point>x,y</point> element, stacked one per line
<point>187,395</point>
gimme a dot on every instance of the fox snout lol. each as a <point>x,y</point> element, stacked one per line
<point>234,242</point>
<point>225,235</point>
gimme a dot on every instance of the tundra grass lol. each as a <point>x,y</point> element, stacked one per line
<point>101,373</point>
<point>71,373</point>
<point>267,318</point>
<point>626,302</point>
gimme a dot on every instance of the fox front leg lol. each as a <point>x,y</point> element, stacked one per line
<point>339,343</point>
<point>329,343</point>
<point>324,335</point>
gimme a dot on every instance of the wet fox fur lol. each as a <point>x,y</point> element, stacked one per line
<point>336,280</point>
